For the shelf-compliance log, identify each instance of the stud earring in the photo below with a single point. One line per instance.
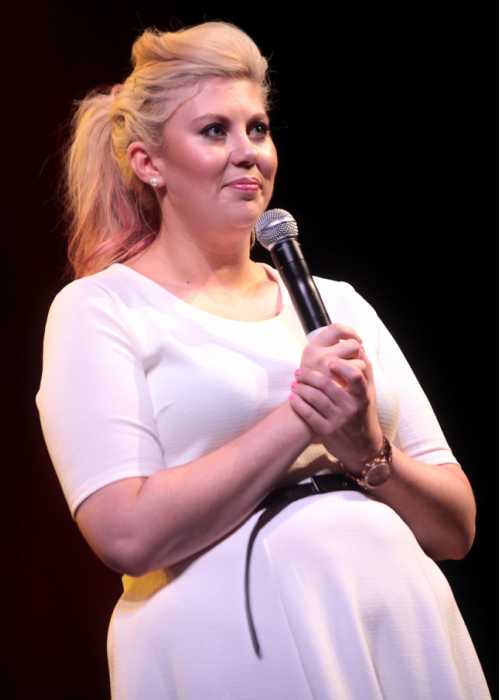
(154, 181)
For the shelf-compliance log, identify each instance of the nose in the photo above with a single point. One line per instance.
(244, 152)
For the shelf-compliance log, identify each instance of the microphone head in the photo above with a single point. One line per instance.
(274, 226)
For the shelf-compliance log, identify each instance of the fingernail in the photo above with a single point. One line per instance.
(297, 372)
(294, 385)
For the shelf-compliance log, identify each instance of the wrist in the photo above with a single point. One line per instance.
(375, 470)
(299, 429)
(357, 456)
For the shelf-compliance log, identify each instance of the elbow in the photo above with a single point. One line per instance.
(125, 557)
(121, 553)
(464, 542)
(457, 531)
(120, 549)
(137, 556)
(108, 521)
(129, 554)
(456, 546)
(463, 525)
(465, 534)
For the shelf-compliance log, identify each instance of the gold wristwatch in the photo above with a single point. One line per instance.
(376, 471)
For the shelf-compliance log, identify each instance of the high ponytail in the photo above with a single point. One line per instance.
(113, 214)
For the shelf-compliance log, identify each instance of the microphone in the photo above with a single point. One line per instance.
(277, 232)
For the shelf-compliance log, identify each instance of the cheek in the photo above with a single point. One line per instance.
(196, 163)
(270, 162)
(206, 161)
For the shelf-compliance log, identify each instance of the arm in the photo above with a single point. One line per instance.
(100, 427)
(335, 395)
(138, 525)
(436, 501)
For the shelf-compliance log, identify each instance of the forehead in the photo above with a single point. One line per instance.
(219, 95)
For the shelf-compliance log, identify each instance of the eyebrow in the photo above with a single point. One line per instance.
(221, 118)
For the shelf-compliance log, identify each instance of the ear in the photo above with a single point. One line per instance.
(143, 164)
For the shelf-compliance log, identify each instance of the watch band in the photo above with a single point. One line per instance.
(376, 470)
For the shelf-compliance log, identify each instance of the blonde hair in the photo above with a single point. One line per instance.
(113, 214)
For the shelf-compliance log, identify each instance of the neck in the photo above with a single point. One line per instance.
(202, 261)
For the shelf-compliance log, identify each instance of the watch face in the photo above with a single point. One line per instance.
(378, 474)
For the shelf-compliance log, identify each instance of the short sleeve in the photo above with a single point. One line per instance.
(95, 409)
(419, 433)
(415, 428)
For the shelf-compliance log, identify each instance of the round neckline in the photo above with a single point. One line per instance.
(201, 313)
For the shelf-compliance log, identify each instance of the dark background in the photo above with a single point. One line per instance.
(386, 127)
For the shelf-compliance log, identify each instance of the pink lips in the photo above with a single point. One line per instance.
(245, 183)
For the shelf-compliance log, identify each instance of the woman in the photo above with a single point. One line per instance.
(166, 407)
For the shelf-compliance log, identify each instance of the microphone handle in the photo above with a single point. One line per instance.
(289, 261)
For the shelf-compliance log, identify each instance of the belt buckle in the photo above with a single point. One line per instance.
(344, 484)
(316, 487)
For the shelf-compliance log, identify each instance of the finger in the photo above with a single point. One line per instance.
(320, 358)
(309, 415)
(331, 335)
(328, 375)
(324, 381)
(349, 348)
(351, 374)
(316, 398)
(369, 370)
(339, 362)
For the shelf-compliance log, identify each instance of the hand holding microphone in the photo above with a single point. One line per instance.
(334, 392)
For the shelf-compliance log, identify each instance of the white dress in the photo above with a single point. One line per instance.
(331, 597)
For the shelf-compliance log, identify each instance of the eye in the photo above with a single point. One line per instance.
(217, 130)
(214, 131)
(261, 129)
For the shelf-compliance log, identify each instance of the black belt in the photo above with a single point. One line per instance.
(272, 504)
(321, 483)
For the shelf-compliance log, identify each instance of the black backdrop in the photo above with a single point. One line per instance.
(386, 127)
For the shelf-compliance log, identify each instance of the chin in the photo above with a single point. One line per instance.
(242, 223)
(243, 215)
(252, 212)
